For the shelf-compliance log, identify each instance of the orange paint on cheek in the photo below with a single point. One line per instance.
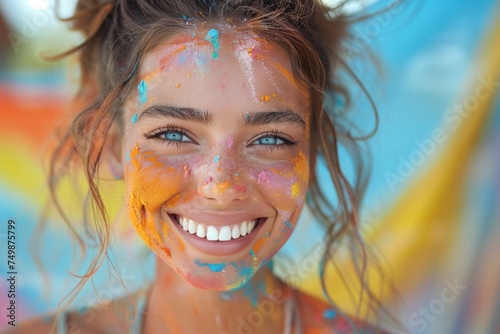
(151, 185)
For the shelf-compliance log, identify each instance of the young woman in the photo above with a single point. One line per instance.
(214, 114)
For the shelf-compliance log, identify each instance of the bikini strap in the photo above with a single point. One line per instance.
(61, 323)
(292, 316)
(141, 311)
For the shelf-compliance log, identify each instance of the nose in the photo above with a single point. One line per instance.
(223, 181)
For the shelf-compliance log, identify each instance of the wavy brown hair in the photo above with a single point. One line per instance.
(119, 33)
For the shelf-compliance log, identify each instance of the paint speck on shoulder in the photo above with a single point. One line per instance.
(217, 159)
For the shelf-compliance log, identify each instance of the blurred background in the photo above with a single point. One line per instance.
(432, 207)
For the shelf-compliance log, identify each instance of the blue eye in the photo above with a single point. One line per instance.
(170, 134)
(174, 136)
(270, 140)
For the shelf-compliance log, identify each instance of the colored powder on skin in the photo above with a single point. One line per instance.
(329, 314)
(215, 267)
(165, 62)
(295, 189)
(266, 98)
(148, 193)
(251, 294)
(253, 254)
(289, 225)
(229, 142)
(213, 37)
(300, 165)
(166, 251)
(142, 88)
(134, 118)
(258, 244)
(216, 159)
(244, 276)
(263, 177)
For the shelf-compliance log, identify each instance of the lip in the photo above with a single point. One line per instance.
(219, 248)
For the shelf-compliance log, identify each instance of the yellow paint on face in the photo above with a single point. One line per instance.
(151, 185)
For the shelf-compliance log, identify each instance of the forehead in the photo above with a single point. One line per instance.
(227, 65)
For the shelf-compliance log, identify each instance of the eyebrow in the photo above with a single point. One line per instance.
(204, 117)
(182, 113)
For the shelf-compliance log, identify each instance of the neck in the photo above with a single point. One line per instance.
(175, 303)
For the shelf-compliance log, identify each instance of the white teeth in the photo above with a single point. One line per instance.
(235, 233)
(184, 223)
(200, 231)
(192, 227)
(243, 229)
(212, 233)
(225, 234)
(251, 226)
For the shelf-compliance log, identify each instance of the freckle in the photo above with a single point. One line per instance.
(230, 142)
(187, 171)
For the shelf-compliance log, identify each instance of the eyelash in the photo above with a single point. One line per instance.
(157, 133)
(287, 141)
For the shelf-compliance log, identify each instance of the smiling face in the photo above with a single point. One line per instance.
(215, 144)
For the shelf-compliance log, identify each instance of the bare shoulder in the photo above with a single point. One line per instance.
(38, 325)
(119, 315)
(319, 317)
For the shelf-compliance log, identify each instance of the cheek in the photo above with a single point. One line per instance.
(285, 186)
(151, 184)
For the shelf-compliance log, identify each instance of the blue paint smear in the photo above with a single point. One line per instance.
(215, 267)
(288, 224)
(245, 272)
(252, 253)
(142, 88)
(217, 158)
(213, 37)
(329, 314)
(127, 157)
(134, 118)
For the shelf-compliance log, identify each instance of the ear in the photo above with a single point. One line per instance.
(112, 151)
